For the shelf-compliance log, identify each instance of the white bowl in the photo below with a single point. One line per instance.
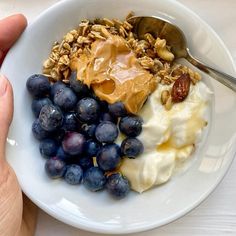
(96, 211)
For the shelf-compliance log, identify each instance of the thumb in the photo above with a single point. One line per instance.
(6, 112)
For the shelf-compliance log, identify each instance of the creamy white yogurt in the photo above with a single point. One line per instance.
(167, 136)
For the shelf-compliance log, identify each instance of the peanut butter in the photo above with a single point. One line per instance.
(114, 73)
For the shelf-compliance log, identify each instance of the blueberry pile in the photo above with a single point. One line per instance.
(77, 134)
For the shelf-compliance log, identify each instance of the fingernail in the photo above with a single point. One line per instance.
(3, 85)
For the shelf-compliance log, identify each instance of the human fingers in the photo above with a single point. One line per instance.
(6, 112)
(10, 30)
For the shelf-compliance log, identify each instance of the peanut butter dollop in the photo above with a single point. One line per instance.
(114, 73)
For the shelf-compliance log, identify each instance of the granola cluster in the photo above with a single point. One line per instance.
(153, 54)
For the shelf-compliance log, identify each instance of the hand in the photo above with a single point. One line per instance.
(17, 213)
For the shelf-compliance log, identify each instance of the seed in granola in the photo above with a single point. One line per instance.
(169, 103)
(181, 88)
(165, 94)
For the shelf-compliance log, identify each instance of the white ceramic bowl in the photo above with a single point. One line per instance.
(97, 212)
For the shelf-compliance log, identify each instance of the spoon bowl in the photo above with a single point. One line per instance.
(176, 39)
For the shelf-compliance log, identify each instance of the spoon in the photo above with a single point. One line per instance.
(176, 40)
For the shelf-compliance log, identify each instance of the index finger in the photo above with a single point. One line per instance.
(10, 30)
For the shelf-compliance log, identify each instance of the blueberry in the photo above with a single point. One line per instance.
(50, 117)
(70, 122)
(63, 156)
(117, 109)
(88, 130)
(56, 87)
(85, 162)
(131, 147)
(38, 85)
(58, 135)
(91, 148)
(55, 168)
(79, 87)
(131, 125)
(48, 148)
(37, 105)
(94, 179)
(103, 105)
(65, 98)
(108, 117)
(108, 158)
(73, 143)
(88, 110)
(106, 132)
(74, 174)
(118, 186)
(38, 132)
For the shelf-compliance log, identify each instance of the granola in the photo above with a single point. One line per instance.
(153, 54)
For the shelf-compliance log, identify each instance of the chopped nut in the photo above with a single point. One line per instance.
(181, 88)
(162, 50)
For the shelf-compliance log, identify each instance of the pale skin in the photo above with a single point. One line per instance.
(18, 214)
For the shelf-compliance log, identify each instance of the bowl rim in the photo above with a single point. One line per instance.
(148, 226)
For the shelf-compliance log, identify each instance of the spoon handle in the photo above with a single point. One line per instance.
(222, 77)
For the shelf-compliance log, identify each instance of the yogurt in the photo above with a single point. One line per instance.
(168, 136)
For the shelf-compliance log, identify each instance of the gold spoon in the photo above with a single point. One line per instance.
(176, 39)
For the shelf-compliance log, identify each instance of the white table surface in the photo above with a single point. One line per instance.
(216, 215)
